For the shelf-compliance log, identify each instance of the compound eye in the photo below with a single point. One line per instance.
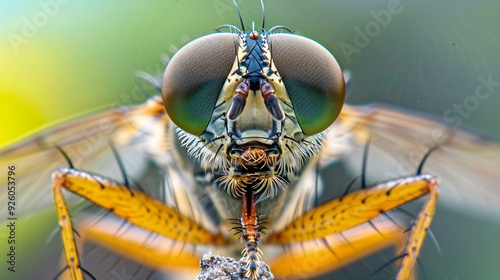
(312, 78)
(194, 77)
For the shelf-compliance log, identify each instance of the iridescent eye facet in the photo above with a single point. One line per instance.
(196, 74)
(194, 77)
(312, 78)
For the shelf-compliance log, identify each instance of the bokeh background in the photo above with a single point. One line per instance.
(62, 59)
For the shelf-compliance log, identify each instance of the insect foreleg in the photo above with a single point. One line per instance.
(417, 236)
(70, 250)
(132, 205)
(362, 206)
(140, 246)
(312, 258)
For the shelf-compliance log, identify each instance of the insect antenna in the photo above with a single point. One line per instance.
(230, 27)
(279, 27)
(263, 15)
(239, 15)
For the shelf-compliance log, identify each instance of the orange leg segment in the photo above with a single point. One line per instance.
(131, 205)
(161, 254)
(362, 206)
(313, 258)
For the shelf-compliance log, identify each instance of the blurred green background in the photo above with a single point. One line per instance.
(61, 59)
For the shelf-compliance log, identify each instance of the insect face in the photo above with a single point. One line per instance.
(253, 104)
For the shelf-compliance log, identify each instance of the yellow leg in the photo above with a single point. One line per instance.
(160, 254)
(131, 205)
(313, 258)
(417, 235)
(68, 238)
(362, 206)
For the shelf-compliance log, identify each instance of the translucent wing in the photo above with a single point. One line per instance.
(144, 140)
(87, 143)
(466, 163)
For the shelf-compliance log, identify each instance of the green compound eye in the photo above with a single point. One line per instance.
(194, 78)
(312, 78)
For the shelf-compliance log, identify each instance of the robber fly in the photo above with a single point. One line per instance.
(247, 121)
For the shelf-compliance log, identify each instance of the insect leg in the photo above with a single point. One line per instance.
(158, 252)
(362, 206)
(133, 206)
(312, 258)
(68, 238)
